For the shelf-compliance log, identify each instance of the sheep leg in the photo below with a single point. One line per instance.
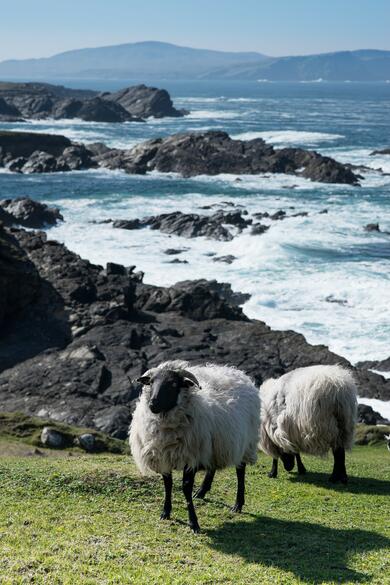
(240, 498)
(166, 512)
(206, 484)
(339, 472)
(274, 469)
(301, 467)
(188, 485)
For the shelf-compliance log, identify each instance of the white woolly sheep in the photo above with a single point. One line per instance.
(309, 410)
(191, 418)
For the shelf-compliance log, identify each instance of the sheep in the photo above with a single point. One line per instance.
(191, 418)
(387, 439)
(309, 410)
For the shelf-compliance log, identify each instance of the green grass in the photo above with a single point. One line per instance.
(94, 520)
(24, 430)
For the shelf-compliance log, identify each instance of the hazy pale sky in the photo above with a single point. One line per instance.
(40, 28)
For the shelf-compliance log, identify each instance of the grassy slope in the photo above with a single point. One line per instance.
(92, 519)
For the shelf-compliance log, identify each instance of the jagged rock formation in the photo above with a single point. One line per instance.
(42, 100)
(74, 336)
(190, 154)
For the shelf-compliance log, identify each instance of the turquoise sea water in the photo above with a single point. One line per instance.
(301, 263)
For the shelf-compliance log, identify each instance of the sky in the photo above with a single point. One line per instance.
(41, 28)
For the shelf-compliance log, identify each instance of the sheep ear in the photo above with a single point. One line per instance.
(190, 383)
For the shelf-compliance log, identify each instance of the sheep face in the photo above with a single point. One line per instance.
(288, 460)
(165, 388)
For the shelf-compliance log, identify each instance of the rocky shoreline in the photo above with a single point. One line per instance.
(74, 336)
(37, 101)
(189, 154)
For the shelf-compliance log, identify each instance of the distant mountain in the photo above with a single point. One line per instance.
(146, 60)
(364, 65)
(154, 60)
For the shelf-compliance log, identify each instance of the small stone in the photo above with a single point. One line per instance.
(53, 438)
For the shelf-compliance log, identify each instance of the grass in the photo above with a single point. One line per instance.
(94, 520)
(18, 430)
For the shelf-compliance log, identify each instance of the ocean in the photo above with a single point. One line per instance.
(321, 275)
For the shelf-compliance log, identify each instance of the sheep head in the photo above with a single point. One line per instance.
(165, 387)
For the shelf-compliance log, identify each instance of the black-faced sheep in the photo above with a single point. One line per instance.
(195, 417)
(309, 410)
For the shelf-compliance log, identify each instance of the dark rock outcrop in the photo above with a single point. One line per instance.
(189, 155)
(144, 102)
(43, 100)
(92, 110)
(30, 152)
(214, 152)
(8, 112)
(383, 151)
(372, 227)
(28, 213)
(75, 336)
(381, 365)
(368, 416)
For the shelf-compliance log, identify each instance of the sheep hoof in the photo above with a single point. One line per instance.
(237, 508)
(195, 528)
(165, 515)
(272, 474)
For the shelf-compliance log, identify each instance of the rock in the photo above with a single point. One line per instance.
(88, 442)
(332, 299)
(372, 227)
(190, 154)
(93, 110)
(123, 328)
(144, 102)
(188, 225)
(174, 251)
(8, 112)
(281, 214)
(229, 259)
(19, 280)
(29, 213)
(258, 229)
(128, 224)
(54, 439)
(323, 211)
(368, 416)
(383, 151)
(43, 100)
(178, 261)
(214, 152)
(381, 365)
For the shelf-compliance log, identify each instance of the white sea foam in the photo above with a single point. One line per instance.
(211, 114)
(288, 137)
(381, 406)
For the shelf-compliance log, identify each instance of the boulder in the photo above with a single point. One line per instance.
(55, 439)
(93, 109)
(258, 229)
(29, 213)
(145, 102)
(372, 227)
(368, 416)
(228, 259)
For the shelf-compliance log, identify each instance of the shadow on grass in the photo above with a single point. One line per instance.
(313, 553)
(356, 485)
